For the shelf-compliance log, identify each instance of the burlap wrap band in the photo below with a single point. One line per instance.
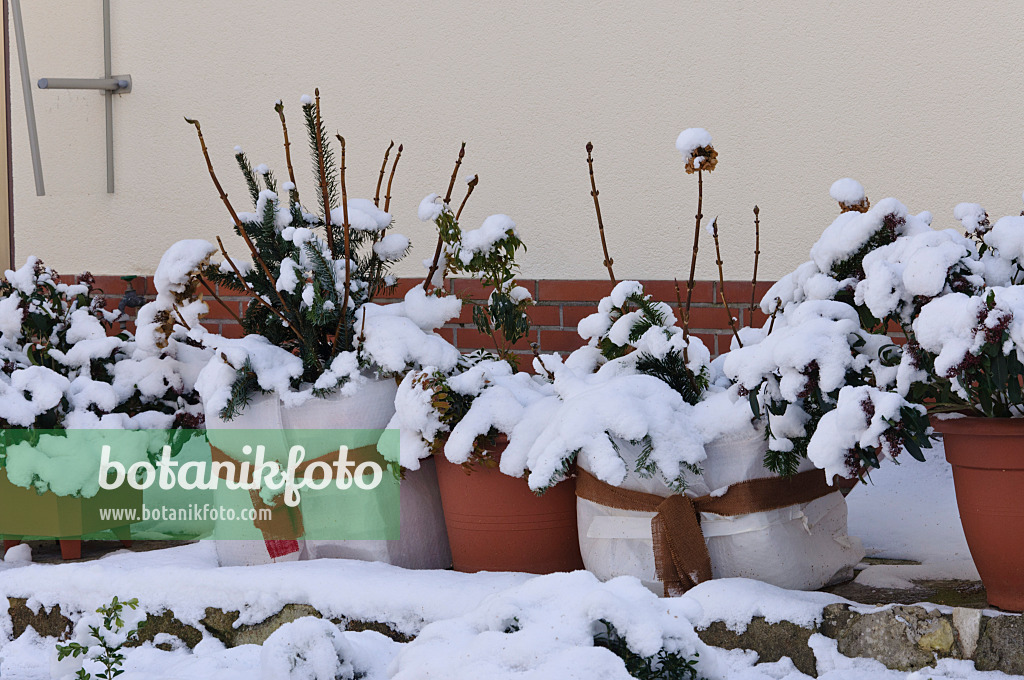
(681, 556)
(285, 523)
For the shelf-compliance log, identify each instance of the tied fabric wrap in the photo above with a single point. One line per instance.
(284, 527)
(681, 556)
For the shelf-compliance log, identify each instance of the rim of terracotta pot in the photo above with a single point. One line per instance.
(980, 426)
(978, 442)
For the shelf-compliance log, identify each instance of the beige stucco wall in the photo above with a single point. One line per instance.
(918, 102)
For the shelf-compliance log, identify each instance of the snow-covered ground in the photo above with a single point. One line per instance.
(476, 626)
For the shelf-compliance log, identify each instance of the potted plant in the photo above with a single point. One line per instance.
(317, 351)
(661, 436)
(462, 417)
(64, 373)
(954, 298)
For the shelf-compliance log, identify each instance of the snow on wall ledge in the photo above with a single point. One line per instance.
(560, 305)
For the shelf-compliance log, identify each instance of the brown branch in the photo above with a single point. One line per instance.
(757, 254)
(693, 260)
(608, 261)
(536, 353)
(238, 223)
(177, 313)
(391, 178)
(217, 298)
(440, 239)
(256, 296)
(279, 107)
(469, 191)
(679, 305)
(383, 167)
(323, 178)
(345, 230)
(455, 171)
(771, 324)
(721, 283)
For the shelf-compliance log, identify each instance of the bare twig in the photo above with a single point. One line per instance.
(721, 283)
(608, 262)
(323, 178)
(679, 306)
(391, 178)
(279, 107)
(217, 298)
(778, 306)
(440, 239)
(469, 191)
(348, 254)
(455, 171)
(177, 313)
(757, 254)
(383, 167)
(693, 259)
(536, 353)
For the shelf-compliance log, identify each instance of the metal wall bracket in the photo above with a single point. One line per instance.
(108, 86)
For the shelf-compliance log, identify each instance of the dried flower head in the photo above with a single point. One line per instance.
(849, 193)
(703, 158)
(695, 146)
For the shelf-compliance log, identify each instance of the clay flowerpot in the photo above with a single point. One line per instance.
(25, 513)
(495, 523)
(987, 455)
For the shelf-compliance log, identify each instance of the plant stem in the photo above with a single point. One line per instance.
(217, 298)
(345, 228)
(775, 312)
(440, 237)
(721, 283)
(469, 191)
(391, 177)
(757, 254)
(693, 259)
(323, 178)
(608, 262)
(679, 305)
(383, 167)
(279, 107)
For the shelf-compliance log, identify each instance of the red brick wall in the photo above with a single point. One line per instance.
(560, 304)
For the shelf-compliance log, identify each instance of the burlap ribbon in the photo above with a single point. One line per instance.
(681, 556)
(284, 527)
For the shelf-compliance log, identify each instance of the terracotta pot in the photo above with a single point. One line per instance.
(25, 513)
(987, 455)
(495, 523)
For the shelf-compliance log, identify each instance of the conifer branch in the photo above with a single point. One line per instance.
(757, 254)
(721, 283)
(323, 177)
(279, 107)
(216, 297)
(391, 178)
(608, 262)
(256, 296)
(383, 167)
(693, 259)
(345, 228)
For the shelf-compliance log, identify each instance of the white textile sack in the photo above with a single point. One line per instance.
(424, 539)
(800, 547)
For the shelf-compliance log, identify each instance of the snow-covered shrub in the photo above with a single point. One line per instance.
(62, 369)
(99, 640)
(311, 275)
(307, 649)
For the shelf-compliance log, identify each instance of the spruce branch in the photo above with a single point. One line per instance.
(757, 254)
(608, 262)
(324, 189)
(202, 280)
(693, 259)
(256, 296)
(383, 167)
(279, 107)
(391, 178)
(721, 283)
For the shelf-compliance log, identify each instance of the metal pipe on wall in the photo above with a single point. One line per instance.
(26, 87)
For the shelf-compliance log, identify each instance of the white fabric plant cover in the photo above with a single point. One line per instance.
(424, 540)
(800, 547)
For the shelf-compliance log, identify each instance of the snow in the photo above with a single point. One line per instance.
(363, 215)
(691, 139)
(392, 247)
(481, 241)
(973, 217)
(179, 261)
(430, 208)
(848, 191)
